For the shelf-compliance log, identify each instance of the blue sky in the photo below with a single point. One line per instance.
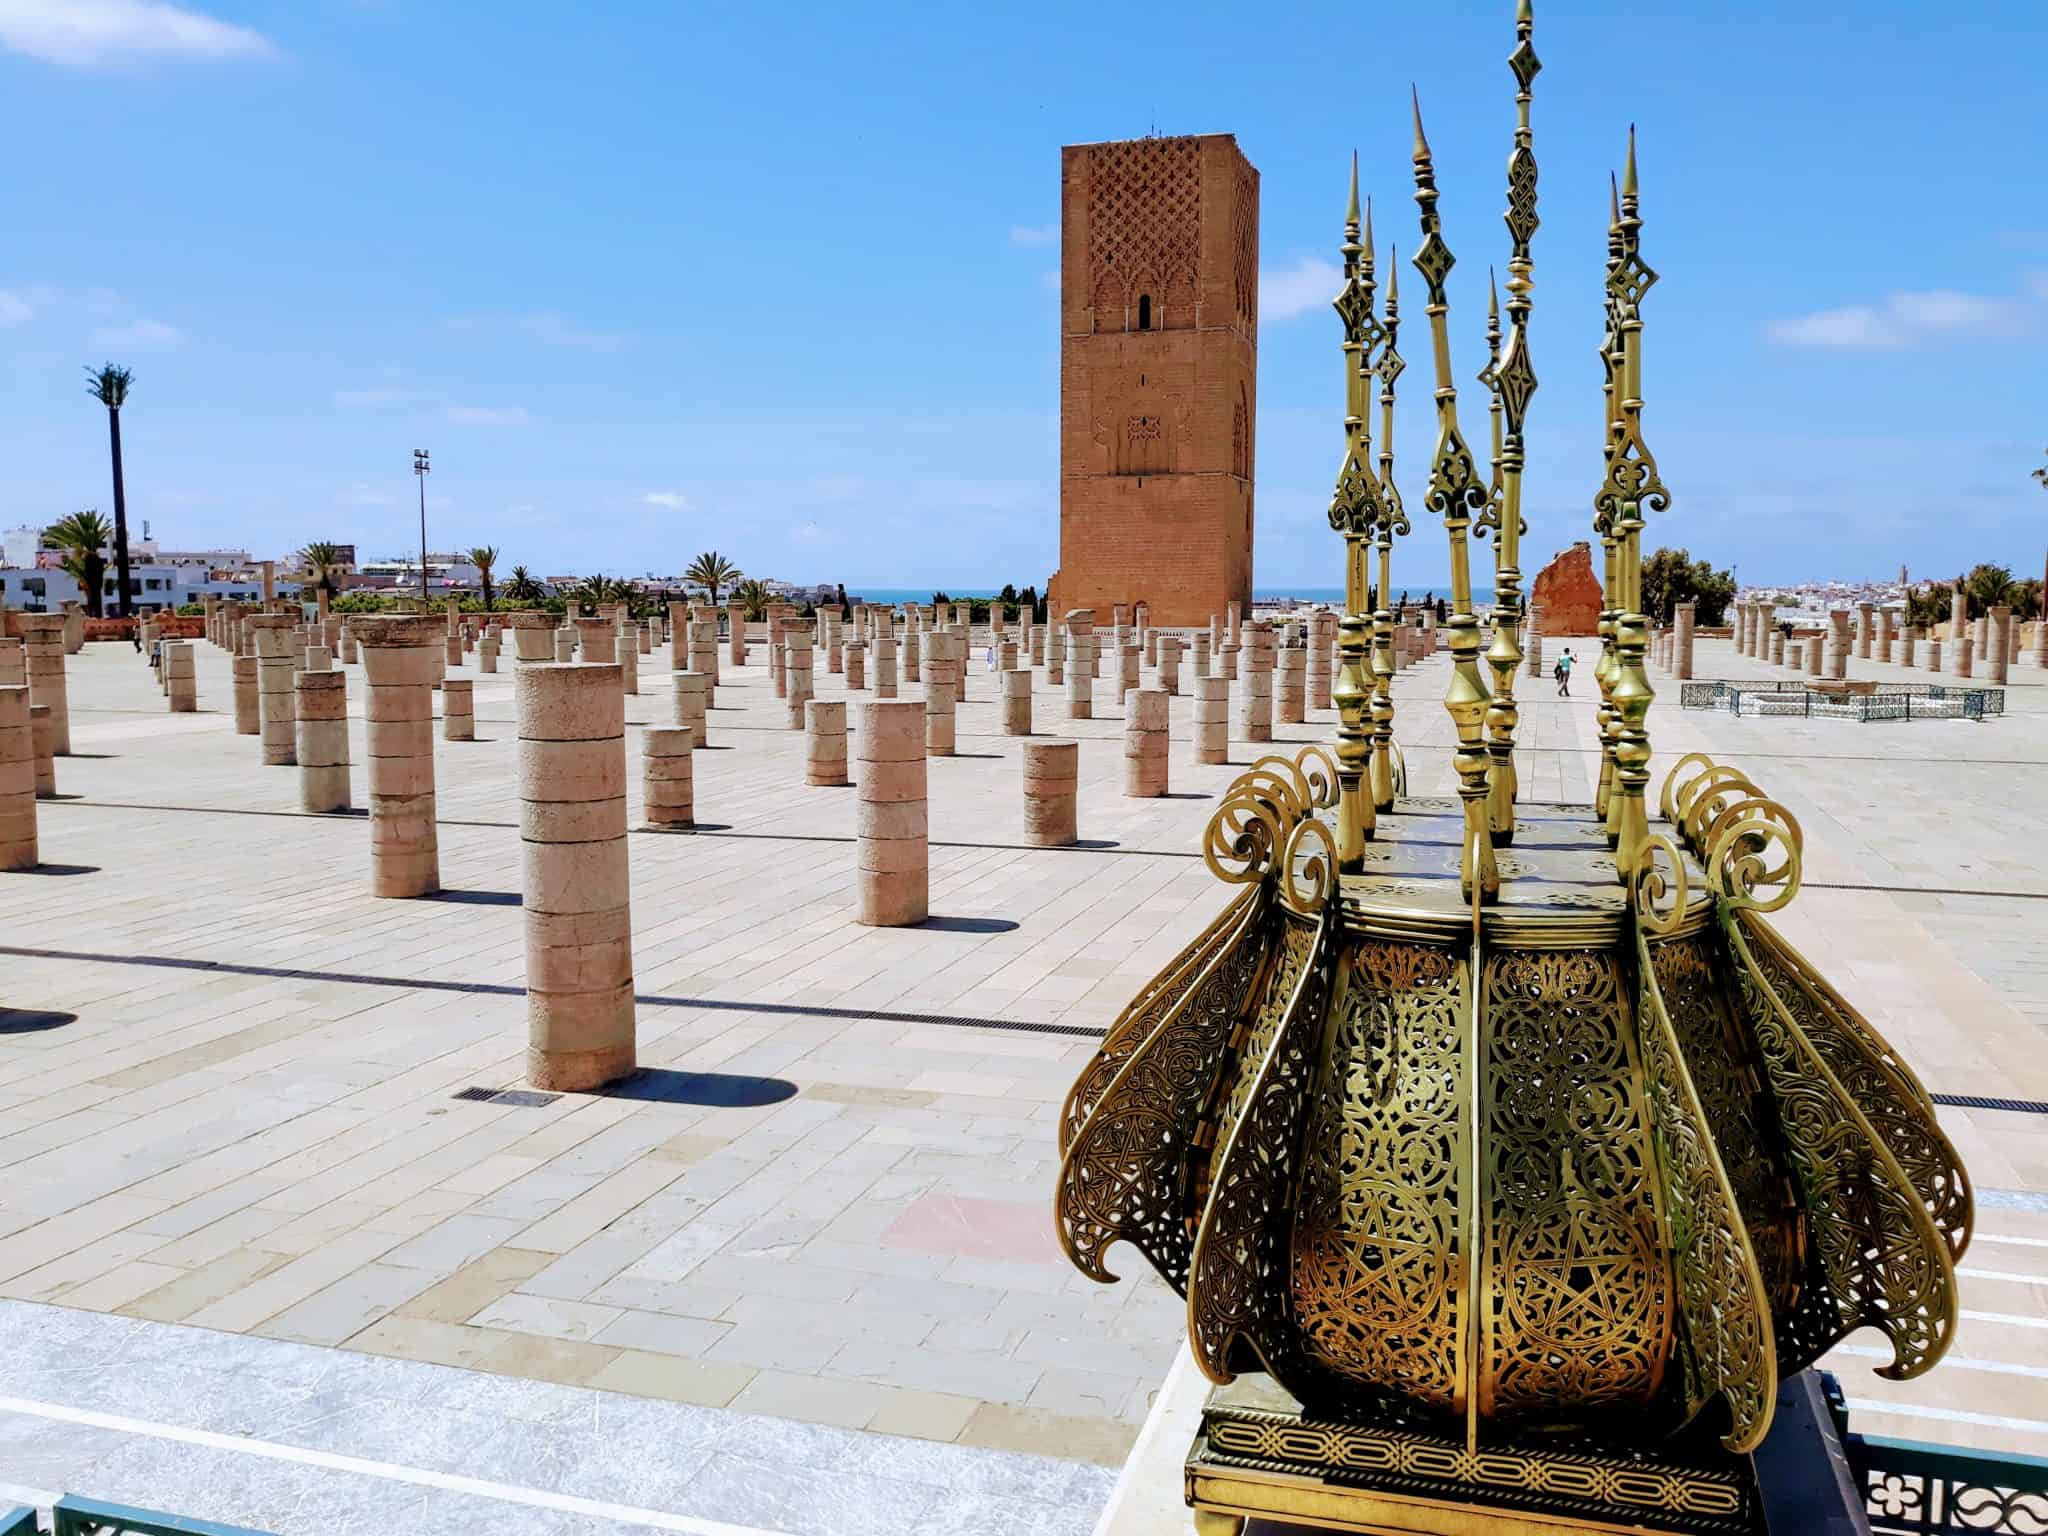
(650, 278)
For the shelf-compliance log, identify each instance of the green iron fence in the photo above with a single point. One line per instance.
(74, 1516)
(1889, 701)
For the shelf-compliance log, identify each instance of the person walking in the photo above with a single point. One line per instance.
(1564, 675)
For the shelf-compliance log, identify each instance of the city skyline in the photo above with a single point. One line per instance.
(692, 308)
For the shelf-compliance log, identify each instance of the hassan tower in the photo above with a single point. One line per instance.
(1159, 322)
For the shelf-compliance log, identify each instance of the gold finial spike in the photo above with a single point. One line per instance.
(1351, 209)
(1492, 297)
(1524, 15)
(1368, 212)
(1421, 143)
(1613, 202)
(1393, 278)
(1628, 174)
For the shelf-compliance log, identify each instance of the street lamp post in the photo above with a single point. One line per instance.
(420, 469)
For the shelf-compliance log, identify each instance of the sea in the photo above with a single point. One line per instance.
(1332, 596)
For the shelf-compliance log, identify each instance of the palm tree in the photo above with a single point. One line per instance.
(522, 588)
(713, 572)
(109, 385)
(320, 561)
(753, 598)
(483, 557)
(84, 537)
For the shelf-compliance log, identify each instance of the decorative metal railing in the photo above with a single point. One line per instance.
(74, 1516)
(1891, 701)
(1936, 1490)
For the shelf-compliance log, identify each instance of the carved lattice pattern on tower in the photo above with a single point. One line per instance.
(1144, 231)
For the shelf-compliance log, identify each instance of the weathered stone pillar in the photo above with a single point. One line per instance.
(1290, 690)
(321, 707)
(18, 849)
(1227, 658)
(687, 704)
(1322, 630)
(796, 670)
(668, 781)
(564, 641)
(1776, 655)
(1911, 639)
(1081, 664)
(269, 572)
(1035, 636)
(835, 655)
(1017, 702)
(825, 742)
(399, 652)
(1980, 636)
(1006, 655)
(704, 654)
(2041, 636)
(1838, 643)
(1681, 640)
(74, 629)
(1934, 648)
(1052, 774)
(1201, 663)
(487, 654)
(1148, 642)
(576, 884)
(458, 709)
(596, 642)
(1056, 653)
(13, 663)
(1532, 642)
(941, 670)
(736, 634)
(248, 700)
(1145, 744)
(1814, 653)
(181, 682)
(678, 637)
(1255, 696)
(42, 637)
(2001, 644)
(44, 734)
(644, 633)
(912, 662)
(856, 658)
(276, 682)
(1866, 629)
(893, 857)
(1958, 614)
(629, 667)
(1169, 663)
(1233, 626)
(1962, 650)
(1884, 634)
(452, 648)
(1127, 670)
(1212, 719)
(885, 666)
(316, 658)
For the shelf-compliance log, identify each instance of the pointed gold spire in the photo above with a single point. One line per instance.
(1628, 174)
(1492, 297)
(1421, 143)
(1351, 211)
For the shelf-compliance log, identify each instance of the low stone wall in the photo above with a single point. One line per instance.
(169, 626)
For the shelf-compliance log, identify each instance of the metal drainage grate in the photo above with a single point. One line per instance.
(1977, 1101)
(519, 1098)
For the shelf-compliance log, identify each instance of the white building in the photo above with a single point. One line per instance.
(33, 578)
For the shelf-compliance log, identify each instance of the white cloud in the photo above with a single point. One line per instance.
(809, 533)
(145, 333)
(548, 326)
(674, 501)
(1906, 319)
(376, 394)
(1034, 234)
(87, 34)
(14, 309)
(363, 494)
(1286, 292)
(489, 415)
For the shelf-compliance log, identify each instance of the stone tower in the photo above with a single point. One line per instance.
(1159, 323)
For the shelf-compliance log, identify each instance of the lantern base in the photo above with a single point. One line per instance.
(1258, 1456)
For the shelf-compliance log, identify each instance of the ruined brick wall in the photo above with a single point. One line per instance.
(1159, 299)
(1569, 593)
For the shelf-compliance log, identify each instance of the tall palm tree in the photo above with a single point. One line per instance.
(753, 597)
(109, 385)
(522, 588)
(320, 561)
(713, 572)
(484, 557)
(84, 537)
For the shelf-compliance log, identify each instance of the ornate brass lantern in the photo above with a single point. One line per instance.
(1505, 1181)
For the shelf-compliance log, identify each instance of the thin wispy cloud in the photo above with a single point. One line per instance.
(1285, 292)
(1034, 234)
(375, 395)
(545, 326)
(363, 494)
(1908, 319)
(95, 34)
(137, 333)
(673, 501)
(489, 415)
(14, 309)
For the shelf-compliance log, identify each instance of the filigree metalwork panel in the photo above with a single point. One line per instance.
(1576, 1287)
(1237, 1285)
(1379, 1251)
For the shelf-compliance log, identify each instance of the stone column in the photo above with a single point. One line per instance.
(321, 706)
(1080, 664)
(912, 662)
(1884, 634)
(1255, 696)
(1912, 636)
(1052, 773)
(1961, 651)
(45, 737)
(1201, 653)
(885, 666)
(277, 706)
(452, 648)
(576, 884)
(797, 657)
(1006, 655)
(1148, 642)
(458, 709)
(825, 742)
(1681, 640)
(248, 700)
(855, 655)
(778, 653)
(1145, 745)
(42, 637)
(2001, 644)
(399, 652)
(564, 641)
(1290, 692)
(668, 782)
(1169, 663)
(1958, 614)
(1227, 658)
(1814, 666)
(597, 643)
(1866, 629)
(629, 667)
(704, 655)
(1127, 670)
(1980, 637)
(1532, 642)
(1035, 635)
(1017, 702)
(181, 682)
(1322, 630)
(18, 848)
(487, 654)
(645, 636)
(1233, 626)
(1212, 719)
(1838, 643)
(678, 637)
(835, 655)
(1776, 655)
(688, 704)
(13, 663)
(1934, 649)
(941, 668)
(2041, 637)
(74, 629)
(1056, 653)
(736, 634)
(893, 858)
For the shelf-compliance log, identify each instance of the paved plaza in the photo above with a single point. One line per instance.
(272, 1253)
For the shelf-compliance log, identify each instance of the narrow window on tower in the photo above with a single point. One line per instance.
(1144, 311)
